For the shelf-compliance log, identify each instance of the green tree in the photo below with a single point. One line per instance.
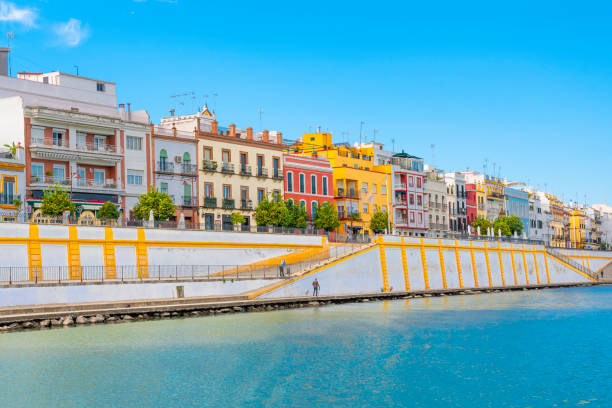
(237, 218)
(515, 224)
(326, 218)
(56, 201)
(483, 223)
(379, 220)
(108, 211)
(501, 224)
(296, 216)
(271, 212)
(12, 150)
(160, 203)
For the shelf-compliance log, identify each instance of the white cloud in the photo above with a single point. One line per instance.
(72, 32)
(9, 12)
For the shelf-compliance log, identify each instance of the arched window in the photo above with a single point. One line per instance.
(313, 208)
(303, 204)
(163, 159)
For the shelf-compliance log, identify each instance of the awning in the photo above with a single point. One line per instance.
(186, 157)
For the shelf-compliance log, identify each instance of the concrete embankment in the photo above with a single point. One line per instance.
(66, 315)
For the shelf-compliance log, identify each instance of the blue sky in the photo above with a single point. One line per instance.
(526, 85)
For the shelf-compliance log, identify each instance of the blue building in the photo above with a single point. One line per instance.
(517, 203)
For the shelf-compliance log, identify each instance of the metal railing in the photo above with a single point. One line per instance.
(566, 259)
(246, 204)
(87, 147)
(262, 172)
(245, 170)
(164, 167)
(210, 202)
(187, 168)
(228, 204)
(9, 199)
(208, 165)
(227, 167)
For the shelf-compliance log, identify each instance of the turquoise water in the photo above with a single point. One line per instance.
(526, 349)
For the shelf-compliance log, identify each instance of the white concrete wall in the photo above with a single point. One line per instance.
(111, 292)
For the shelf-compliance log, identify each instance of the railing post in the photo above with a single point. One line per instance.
(192, 266)
(237, 272)
(10, 275)
(208, 272)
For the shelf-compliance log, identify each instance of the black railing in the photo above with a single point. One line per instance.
(262, 172)
(190, 169)
(245, 170)
(246, 204)
(227, 168)
(228, 204)
(164, 167)
(208, 165)
(210, 202)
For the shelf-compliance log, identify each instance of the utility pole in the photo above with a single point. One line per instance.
(77, 70)
(374, 131)
(360, 130)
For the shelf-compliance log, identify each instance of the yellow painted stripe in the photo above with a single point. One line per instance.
(320, 268)
(486, 253)
(34, 255)
(110, 266)
(383, 266)
(424, 265)
(458, 260)
(142, 258)
(513, 264)
(525, 264)
(572, 268)
(473, 264)
(535, 264)
(405, 267)
(501, 263)
(442, 266)
(546, 265)
(74, 253)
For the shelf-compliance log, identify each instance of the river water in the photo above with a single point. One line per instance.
(524, 349)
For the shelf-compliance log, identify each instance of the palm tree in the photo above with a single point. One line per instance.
(12, 150)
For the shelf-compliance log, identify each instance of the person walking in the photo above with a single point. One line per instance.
(315, 287)
(282, 268)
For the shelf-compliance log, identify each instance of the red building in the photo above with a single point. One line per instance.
(308, 181)
(470, 203)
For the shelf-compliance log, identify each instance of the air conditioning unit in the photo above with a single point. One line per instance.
(178, 159)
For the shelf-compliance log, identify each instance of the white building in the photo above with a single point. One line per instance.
(75, 136)
(435, 189)
(457, 183)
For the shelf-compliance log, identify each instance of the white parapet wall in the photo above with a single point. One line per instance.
(396, 265)
(43, 252)
(593, 260)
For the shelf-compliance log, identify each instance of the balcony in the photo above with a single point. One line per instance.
(188, 169)
(208, 165)
(246, 204)
(164, 167)
(8, 199)
(400, 187)
(245, 170)
(400, 203)
(262, 172)
(351, 214)
(187, 201)
(277, 174)
(228, 204)
(210, 202)
(62, 144)
(77, 182)
(350, 193)
(401, 222)
(227, 168)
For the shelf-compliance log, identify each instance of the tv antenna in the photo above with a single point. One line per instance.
(261, 112)
(215, 101)
(360, 130)
(433, 154)
(374, 132)
(393, 144)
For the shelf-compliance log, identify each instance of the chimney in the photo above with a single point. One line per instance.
(266, 136)
(121, 109)
(129, 112)
(4, 59)
(279, 138)
(232, 130)
(214, 127)
(249, 133)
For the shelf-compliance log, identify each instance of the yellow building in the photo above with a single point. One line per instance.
(558, 223)
(577, 231)
(359, 186)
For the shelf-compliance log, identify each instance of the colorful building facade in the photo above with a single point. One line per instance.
(308, 182)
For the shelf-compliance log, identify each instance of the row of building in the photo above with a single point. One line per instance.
(70, 130)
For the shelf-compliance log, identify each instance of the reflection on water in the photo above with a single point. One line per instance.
(538, 348)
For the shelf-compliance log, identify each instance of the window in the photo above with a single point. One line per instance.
(313, 184)
(227, 191)
(99, 142)
(374, 188)
(313, 208)
(186, 158)
(364, 187)
(99, 177)
(302, 183)
(411, 199)
(383, 189)
(208, 153)
(100, 87)
(420, 218)
(244, 193)
(411, 181)
(365, 208)
(38, 135)
(134, 177)
(243, 161)
(260, 195)
(81, 140)
(37, 173)
(419, 200)
(59, 173)
(260, 163)
(133, 142)
(163, 159)
(187, 193)
(208, 190)
(225, 156)
(418, 182)
(163, 188)
(303, 204)
(289, 181)
(324, 186)
(8, 189)
(412, 217)
(275, 166)
(58, 137)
